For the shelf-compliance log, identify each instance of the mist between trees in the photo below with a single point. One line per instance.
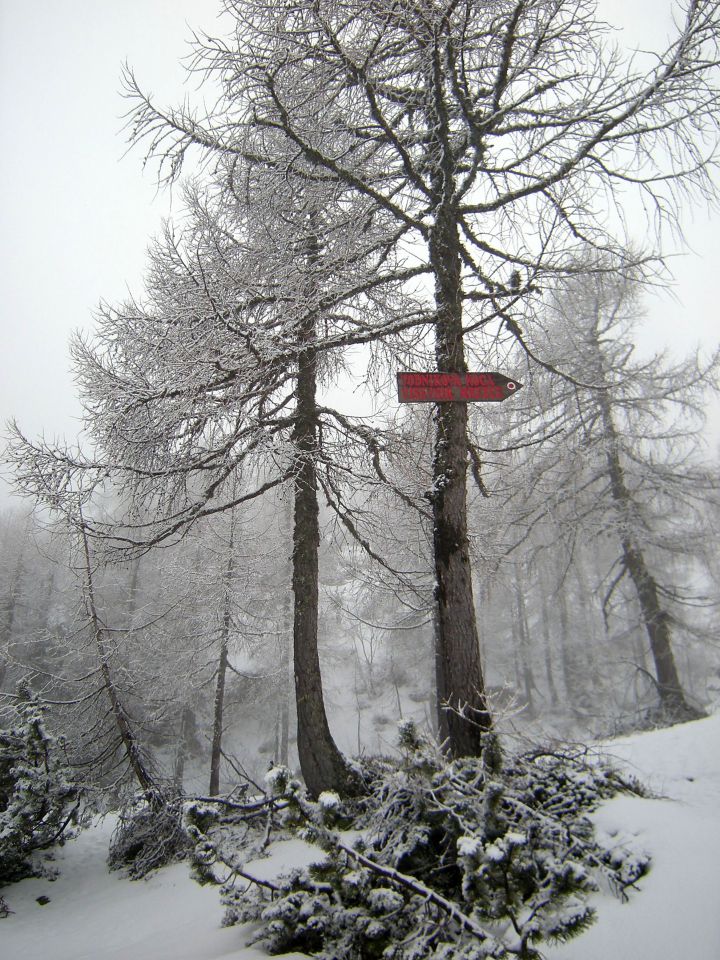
(197, 635)
(445, 185)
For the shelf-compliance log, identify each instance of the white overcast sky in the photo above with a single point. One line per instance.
(76, 213)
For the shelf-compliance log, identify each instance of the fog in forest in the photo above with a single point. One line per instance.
(250, 589)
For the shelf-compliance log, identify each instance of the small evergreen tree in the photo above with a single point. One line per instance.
(37, 802)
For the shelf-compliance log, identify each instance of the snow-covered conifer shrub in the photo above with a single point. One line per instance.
(149, 834)
(224, 832)
(37, 801)
(454, 861)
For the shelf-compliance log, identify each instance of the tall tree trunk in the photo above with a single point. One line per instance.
(547, 644)
(48, 599)
(323, 766)
(285, 644)
(128, 739)
(133, 590)
(461, 688)
(9, 609)
(439, 724)
(589, 615)
(567, 656)
(219, 702)
(656, 620)
(187, 724)
(523, 634)
(284, 706)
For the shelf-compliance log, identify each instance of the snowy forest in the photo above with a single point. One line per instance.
(260, 601)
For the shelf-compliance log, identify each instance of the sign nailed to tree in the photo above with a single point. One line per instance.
(465, 387)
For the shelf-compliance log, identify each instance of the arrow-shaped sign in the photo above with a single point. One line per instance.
(463, 387)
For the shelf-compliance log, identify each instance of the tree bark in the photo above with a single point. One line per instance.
(133, 590)
(547, 644)
(187, 723)
(284, 708)
(323, 766)
(219, 702)
(528, 678)
(285, 643)
(465, 717)
(567, 655)
(9, 613)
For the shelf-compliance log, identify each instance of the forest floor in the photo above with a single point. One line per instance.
(96, 915)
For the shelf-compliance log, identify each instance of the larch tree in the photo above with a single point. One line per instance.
(501, 139)
(204, 397)
(626, 467)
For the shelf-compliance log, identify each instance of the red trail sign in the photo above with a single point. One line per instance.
(463, 387)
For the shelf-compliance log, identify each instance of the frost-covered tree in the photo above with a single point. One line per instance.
(205, 397)
(499, 139)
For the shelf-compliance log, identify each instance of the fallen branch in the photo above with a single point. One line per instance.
(409, 883)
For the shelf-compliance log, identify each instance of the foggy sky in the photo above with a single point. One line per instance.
(77, 215)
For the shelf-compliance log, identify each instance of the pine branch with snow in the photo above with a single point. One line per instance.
(447, 859)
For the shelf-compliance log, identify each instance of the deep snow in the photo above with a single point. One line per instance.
(95, 915)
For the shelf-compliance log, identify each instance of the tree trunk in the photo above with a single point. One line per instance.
(285, 643)
(133, 590)
(9, 613)
(48, 600)
(284, 717)
(122, 722)
(589, 614)
(187, 723)
(567, 657)
(528, 679)
(673, 704)
(547, 645)
(465, 717)
(216, 751)
(657, 625)
(219, 702)
(323, 766)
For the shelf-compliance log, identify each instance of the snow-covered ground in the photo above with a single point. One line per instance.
(676, 914)
(95, 915)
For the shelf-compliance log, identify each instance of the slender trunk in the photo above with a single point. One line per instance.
(122, 722)
(219, 702)
(284, 718)
(547, 645)
(393, 677)
(216, 751)
(49, 594)
(589, 614)
(655, 618)
(323, 766)
(567, 659)
(9, 615)
(133, 590)
(285, 645)
(524, 649)
(465, 717)
(657, 625)
(187, 723)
